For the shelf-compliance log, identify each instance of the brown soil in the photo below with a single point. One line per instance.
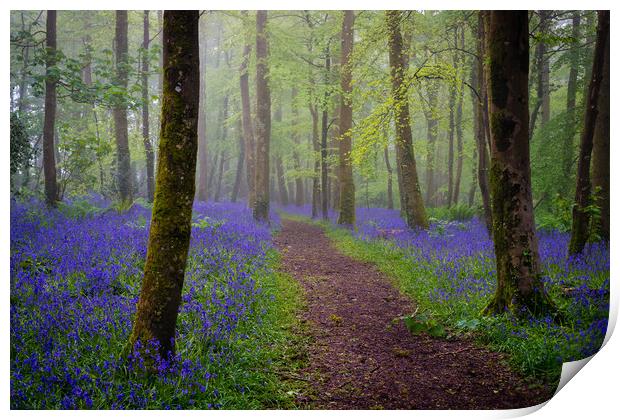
(360, 359)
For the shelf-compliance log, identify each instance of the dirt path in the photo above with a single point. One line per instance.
(359, 359)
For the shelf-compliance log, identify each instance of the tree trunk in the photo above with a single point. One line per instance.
(390, 193)
(324, 129)
(263, 119)
(451, 104)
(519, 284)
(49, 119)
(345, 170)
(170, 230)
(148, 147)
(542, 66)
(246, 113)
(316, 188)
(431, 139)
(299, 184)
(580, 231)
(482, 134)
(458, 122)
(240, 162)
(414, 211)
(571, 95)
(600, 154)
(223, 159)
(281, 180)
(203, 162)
(120, 109)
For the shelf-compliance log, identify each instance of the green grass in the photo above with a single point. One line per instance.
(266, 362)
(536, 356)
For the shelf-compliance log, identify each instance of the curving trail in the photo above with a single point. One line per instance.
(360, 359)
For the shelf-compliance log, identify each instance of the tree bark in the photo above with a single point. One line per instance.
(223, 159)
(263, 119)
(148, 147)
(345, 175)
(49, 119)
(519, 284)
(431, 140)
(120, 109)
(169, 235)
(414, 211)
(580, 231)
(482, 134)
(600, 154)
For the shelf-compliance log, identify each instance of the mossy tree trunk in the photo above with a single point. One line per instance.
(600, 154)
(458, 117)
(580, 231)
(415, 211)
(120, 109)
(347, 187)
(263, 119)
(519, 285)
(49, 119)
(146, 138)
(170, 230)
(246, 115)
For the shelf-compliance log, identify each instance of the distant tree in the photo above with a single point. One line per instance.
(240, 163)
(203, 162)
(432, 125)
(170, 230)
(519, 283)
(120, 108)
(580, 231)
(148, 147)
(414, 210)
(571, 99)
(390, 193)
(279, 165)
(299, 184)
(458, 115)
(49, 120)
(324, 131)
(346, 187)
(246, 116)
(263, 119)
(20, 145)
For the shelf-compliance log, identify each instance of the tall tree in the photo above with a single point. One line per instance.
(170, 230)
(279, 166)
(316, 147)
(571, 99)
(581, 217)
(246, 115)
(240, 163)
(148, 147)
(432, 125)
(299, 184)
(482, 122)
(415, 211)
(120, 109)
(519, 283)
(263, 119)
(347, 187)
(600, 153)
(49, 119)
(458, 117)
(324, 130)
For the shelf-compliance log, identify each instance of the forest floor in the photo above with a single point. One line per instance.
(362, 356)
